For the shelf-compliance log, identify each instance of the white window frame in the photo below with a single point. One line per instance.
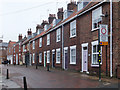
(23, 48)
(48, 56)
(96, 18)
(71, 48)
(58, 61)
(58, 35)
(73, 28)
(33, 57)
(40, 57)
(48, 39)
(93, 44)
(40, 42)
(33, 44)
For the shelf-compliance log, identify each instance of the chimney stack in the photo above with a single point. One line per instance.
(20, 37)
(29, 32)
(44, 23)
(60, 13)
(71, 5)
(51, 18)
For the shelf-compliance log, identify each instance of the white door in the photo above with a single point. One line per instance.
(85, 60)
(85, 57)
(44, 58)
(11, 60)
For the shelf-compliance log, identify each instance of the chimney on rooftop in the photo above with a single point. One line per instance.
(20, 37)
(29, 32)
(51, 18)
(71, 5)
(60, 13)
(44, 23)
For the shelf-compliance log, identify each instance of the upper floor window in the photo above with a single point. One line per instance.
(73, 28)
(58, 33)
(33, 44)
(14, 49)
(48, 39)
(23, 48)
(73, 54)
(40, 42)
(96, 19)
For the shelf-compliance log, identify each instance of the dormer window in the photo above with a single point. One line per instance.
(54, 22)
(67, 13)
(81, 5)
(45, 27)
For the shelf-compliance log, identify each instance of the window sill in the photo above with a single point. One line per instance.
(73, 63)
(72, 36)
(94, 29)
(94, 65)
(57, 62)
(58, 41)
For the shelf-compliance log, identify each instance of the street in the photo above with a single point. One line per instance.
(41, 78)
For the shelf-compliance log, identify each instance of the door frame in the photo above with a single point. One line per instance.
(44, 59)
(65, 48)
(53, 52)
(84, 45)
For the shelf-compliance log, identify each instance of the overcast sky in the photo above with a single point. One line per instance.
(16, 16)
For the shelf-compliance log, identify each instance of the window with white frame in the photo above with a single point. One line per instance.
(48, 56)
(73, 28)
(33, 44)
(58, 55)
(40, 42)
(73, 54)
(14, 49)
(33, 57)
(9, 50)
(48, 39)
(95, 53)
(96, 18)
(40, 58)
(58, 33)
(23, 48)
(19, 47)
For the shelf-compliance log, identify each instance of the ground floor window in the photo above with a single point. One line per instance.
(58, 55)
(48, 56)
(95, 53)
(40, 58)
(73, 54)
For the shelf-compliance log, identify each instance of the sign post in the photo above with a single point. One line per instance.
(102, 40)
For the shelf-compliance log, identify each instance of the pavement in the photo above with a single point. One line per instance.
(7, 83)
(41, 78)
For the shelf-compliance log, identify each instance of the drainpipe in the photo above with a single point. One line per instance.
(63, 46)
(111, 38)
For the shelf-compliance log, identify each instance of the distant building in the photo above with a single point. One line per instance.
(3, 51)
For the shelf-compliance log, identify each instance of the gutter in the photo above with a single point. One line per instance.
(111, 38)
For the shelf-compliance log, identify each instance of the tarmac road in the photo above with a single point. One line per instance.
(41, 78)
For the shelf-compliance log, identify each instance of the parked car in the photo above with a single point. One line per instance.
(5, 62)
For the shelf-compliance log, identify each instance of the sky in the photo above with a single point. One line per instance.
(17, 16)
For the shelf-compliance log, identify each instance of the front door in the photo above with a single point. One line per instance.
(66, 59)
(85, 58)
(44, 59)
(53, 60)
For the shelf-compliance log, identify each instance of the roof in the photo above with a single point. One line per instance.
(75, 13)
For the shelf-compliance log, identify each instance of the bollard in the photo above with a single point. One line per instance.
(36, 67)
(25, 83)
(7, 77)
(48, 67)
